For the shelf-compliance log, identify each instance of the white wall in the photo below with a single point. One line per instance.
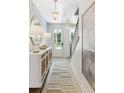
(35, 12)
(77, 56)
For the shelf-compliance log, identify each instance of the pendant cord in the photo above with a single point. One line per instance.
(55, 5)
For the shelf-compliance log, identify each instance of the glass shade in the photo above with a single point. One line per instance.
(36, 30)
(55, 13)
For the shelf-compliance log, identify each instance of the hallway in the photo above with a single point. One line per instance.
(58, 62)
(61, 78)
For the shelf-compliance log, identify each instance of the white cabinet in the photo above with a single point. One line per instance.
(39, 65)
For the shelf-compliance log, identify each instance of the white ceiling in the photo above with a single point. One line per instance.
(66, 8)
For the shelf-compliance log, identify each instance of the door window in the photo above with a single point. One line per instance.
(57, 39)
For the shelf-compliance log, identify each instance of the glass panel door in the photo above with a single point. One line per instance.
(58, 44)
(57, 39)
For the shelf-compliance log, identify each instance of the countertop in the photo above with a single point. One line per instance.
(40, 52)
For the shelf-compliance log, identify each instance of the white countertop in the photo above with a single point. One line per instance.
(40, 52)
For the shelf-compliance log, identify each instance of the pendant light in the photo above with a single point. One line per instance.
(55, 13)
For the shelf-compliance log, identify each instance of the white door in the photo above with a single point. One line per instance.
(57, 42)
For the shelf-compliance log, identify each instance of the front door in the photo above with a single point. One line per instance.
(57, 42)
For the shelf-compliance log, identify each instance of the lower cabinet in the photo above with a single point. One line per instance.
(39, 65)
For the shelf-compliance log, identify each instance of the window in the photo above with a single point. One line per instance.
(71, 33)
(57, 39)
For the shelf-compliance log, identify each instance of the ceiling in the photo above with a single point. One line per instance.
(66, 9)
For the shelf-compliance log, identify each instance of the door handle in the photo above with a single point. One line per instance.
(62, 44)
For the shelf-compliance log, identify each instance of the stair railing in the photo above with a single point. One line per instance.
(75, 39)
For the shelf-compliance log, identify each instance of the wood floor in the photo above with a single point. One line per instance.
(60, 79)
(34, 90)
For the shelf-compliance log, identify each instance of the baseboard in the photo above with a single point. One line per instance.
(85, 86)
(77, 77)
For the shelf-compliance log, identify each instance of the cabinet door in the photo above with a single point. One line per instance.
(46, 60)
(42, 67)
(50, 55)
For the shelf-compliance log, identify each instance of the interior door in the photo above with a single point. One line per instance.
(58, 44)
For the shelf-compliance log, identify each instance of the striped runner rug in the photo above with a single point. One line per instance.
(61, 79)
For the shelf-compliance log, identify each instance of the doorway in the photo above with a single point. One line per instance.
(57, 42)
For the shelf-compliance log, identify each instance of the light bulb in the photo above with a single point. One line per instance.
(55, 13)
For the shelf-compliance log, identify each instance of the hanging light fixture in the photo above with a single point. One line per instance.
(55, 13)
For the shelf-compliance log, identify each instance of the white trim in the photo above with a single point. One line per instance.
(92, 50)
(85, 87)
(77, 77)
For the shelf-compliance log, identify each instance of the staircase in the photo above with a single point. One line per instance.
(75, 39)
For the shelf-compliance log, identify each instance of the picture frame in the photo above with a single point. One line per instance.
(88, 45)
